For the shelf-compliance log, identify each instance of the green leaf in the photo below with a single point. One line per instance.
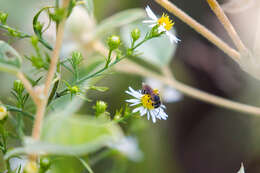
(98, 88)
(119, 19)
(10, 60)
(71, 135)
(86, 165)
(89, 5)
(157, 51)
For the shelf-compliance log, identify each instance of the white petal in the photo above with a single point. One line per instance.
(132, 100)
(143, 112)
(148, 21)
(137, 109)
(135, 104)
(136, 92)
(161, 29)
(163, 106)
(152, 25)
(150, 13)
(172, 37)
(156, 113)
(153, 117)
(148, 115)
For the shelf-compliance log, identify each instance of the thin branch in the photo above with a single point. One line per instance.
(227, 25)
(257, 36)
(54, 60)
(28, 87)
(199, 28)
(167, 79)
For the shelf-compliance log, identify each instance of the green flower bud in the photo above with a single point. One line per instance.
(3, 112)
(34, 40)
(18, 86)
(74, 89)
(3, 17)
(37, 62)
(100, 107)
(13, 32)
(38, 26)
(58, 15)
(113, 42)
(45, 163)
(31, 167)
(76, 58)
(135, 34)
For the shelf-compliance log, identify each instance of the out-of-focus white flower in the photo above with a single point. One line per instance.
(128, 146)
(16, 163)
(164, 22)
(146, 106)
(3, 112)
(241, 170)
(238, 6)
(167, 93)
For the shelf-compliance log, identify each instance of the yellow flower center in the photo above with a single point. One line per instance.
(166, 22)
(147, 101)
(2, 109)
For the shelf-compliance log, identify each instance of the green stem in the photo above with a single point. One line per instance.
(101, 156)
(24, 35)
(15, 109)
(109, 58)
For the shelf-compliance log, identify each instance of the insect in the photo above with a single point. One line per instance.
(154, 94)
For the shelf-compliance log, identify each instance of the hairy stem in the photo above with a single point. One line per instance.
(200, 29)
(52, 69)
(227, 25)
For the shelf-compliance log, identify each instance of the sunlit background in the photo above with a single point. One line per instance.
(197, 137)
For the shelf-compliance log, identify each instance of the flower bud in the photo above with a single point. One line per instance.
(76, 58)
(113, 42)
(135, 34)
(100, 107)
(34, 40)
(31, 167)
(3, 112)
(18, 86)
(58, 15)
(74, 89)
(37, 62)
(13, 32)
(3, 17)
(45, 163)
(38, 26)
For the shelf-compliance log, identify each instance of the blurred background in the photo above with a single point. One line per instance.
(197, 137)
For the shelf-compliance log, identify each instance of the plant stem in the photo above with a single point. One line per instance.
(109, 58)
(52, 69)
(256, 48)
(200, 29)
(15, 109)
(227, 25)
(53, 91)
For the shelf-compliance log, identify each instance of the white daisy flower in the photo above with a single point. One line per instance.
(129, 147)
(241, 170)
(164, 22)
(146, 105)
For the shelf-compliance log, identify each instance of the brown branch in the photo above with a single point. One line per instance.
(227, 25)
(199, 28)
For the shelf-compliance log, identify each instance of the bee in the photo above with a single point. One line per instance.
(154, 94)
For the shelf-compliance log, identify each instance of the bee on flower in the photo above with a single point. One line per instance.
(148, 102)
(164, 24)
